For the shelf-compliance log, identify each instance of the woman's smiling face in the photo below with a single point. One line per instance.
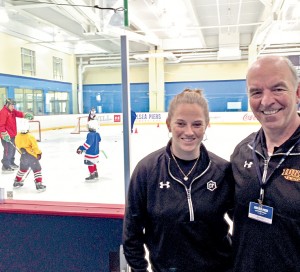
(187, 126)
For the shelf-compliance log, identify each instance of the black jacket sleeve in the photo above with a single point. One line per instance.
(134, 221)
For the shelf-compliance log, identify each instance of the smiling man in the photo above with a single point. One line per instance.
(273, 95)
(266, 167)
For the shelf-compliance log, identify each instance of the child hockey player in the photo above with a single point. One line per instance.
(30, 156)
(92, 114)
(91, 148)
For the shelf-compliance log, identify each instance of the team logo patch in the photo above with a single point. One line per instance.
(164, 185)
(211, 185)
(248, 164)
(291, 174)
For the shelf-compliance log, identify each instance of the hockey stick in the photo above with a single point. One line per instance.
(15, 147)
(26, 175)
(28, 171)
(103, 152)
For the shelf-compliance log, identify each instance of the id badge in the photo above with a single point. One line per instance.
(260, 212)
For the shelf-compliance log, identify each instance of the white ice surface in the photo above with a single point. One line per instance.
(64, 172)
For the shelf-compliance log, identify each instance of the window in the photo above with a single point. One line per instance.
(29, 101)
(57, 102)
(3, 96)
(57, 68)
(28, 62)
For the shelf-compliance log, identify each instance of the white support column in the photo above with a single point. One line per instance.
(156, 83)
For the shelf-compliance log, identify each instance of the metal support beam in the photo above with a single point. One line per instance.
(126, 109)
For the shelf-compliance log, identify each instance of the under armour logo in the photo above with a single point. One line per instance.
(248, 164)
(162, 185)
(211, 185)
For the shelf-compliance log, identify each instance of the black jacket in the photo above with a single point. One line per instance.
(183, 227)
(260, 246)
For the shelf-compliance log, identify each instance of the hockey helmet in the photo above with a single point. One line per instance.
(10, 101)
(93, 125)
(24, 126)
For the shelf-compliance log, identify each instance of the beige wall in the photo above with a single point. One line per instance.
(173, 72)
(211, 71)
(101, 75)
(10, 55)
(10, 52)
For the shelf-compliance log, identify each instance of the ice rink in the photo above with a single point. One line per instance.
(64, 172)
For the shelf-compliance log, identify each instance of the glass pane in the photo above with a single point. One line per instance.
(38, 103)
(28, 61)
(19, 97)
(3, 96)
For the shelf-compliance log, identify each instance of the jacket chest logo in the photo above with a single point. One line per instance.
(164, 185)
(248, 164)
(211, 185)
(291, 174)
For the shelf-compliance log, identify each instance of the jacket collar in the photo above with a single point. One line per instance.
(261, 146)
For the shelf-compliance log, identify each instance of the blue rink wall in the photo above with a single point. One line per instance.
(219, 93)
(107, 98)
(12, 82)
(44, 237)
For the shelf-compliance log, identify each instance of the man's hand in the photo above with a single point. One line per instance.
(5, 136)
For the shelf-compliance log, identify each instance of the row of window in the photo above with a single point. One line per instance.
(29, 64)
(28, 100)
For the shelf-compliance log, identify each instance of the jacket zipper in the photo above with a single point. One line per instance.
(190, 203)
(264, 176)
(189, 190)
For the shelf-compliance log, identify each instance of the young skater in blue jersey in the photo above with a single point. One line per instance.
(92, 114)
(91, 149)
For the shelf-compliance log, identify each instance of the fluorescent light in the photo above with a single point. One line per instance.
(229, 53)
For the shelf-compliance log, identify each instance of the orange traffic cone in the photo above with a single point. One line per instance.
(157, 125)
(136, 131)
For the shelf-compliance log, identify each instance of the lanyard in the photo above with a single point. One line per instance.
(262, 178)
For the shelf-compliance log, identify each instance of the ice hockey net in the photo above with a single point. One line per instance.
(81, 125)
(35, 129)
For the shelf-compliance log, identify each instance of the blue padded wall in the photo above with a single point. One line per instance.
(45, 243)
